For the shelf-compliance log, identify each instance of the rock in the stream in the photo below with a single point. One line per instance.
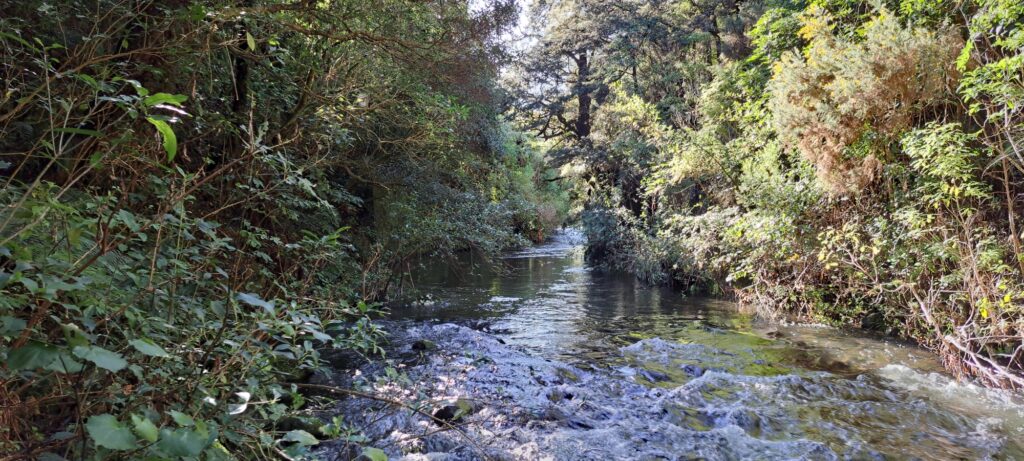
(453, 413)
(423, 345)
(565, 375)
(515, 406)
(558, 395)
(655, 376)
(480, 325)
(693, 370)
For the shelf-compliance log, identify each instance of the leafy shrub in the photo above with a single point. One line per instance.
(873, 181)
(845, 91)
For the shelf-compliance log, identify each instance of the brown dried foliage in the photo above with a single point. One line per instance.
(843, 91)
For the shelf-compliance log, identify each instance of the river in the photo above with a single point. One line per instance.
(544, 357)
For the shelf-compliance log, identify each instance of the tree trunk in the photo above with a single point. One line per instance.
(583, 91)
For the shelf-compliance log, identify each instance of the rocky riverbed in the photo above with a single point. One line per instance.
(548, 358)
(478, 398)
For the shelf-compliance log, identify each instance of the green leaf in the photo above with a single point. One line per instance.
(108, 432)
(145, 428)
(31, 285)
(182, 419)
(250, 41)
(103, 358)
(11, 326)
(141, 90)
(36, 355)
(74, 335)
(164, 98)
(301, 437)
(81, 131)
(32, 356)
(148, 347)
(965, 56)
(96, 158)
(65, 364)
(17, 39)
(254, 300)
(182, 442)
(197, 12)
(167, 133)
(375, 454)
(88, 80)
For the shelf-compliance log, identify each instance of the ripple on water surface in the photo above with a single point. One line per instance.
(659, 376)
(898, 412)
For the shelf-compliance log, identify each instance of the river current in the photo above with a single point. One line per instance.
(544, 357)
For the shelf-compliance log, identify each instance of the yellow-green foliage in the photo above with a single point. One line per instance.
(859, 166)
(841, 91)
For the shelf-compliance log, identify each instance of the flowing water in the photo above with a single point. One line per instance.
(560, 361)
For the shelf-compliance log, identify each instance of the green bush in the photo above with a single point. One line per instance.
(856, 167)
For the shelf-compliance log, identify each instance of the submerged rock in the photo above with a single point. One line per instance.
(528, 408)
(498, 402)
(655, 376)
(693, 370)
(480, 325)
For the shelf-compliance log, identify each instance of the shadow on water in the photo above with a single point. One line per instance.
(854, 393)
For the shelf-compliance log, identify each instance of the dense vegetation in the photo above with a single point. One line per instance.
(840, 161)
(198, 195)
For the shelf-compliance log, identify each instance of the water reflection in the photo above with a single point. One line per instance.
(840, 388)
(548, 301)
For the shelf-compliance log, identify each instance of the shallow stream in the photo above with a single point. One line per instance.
(546, 358)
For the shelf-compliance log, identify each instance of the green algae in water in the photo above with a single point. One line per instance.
(567, 375)
(699, 348)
